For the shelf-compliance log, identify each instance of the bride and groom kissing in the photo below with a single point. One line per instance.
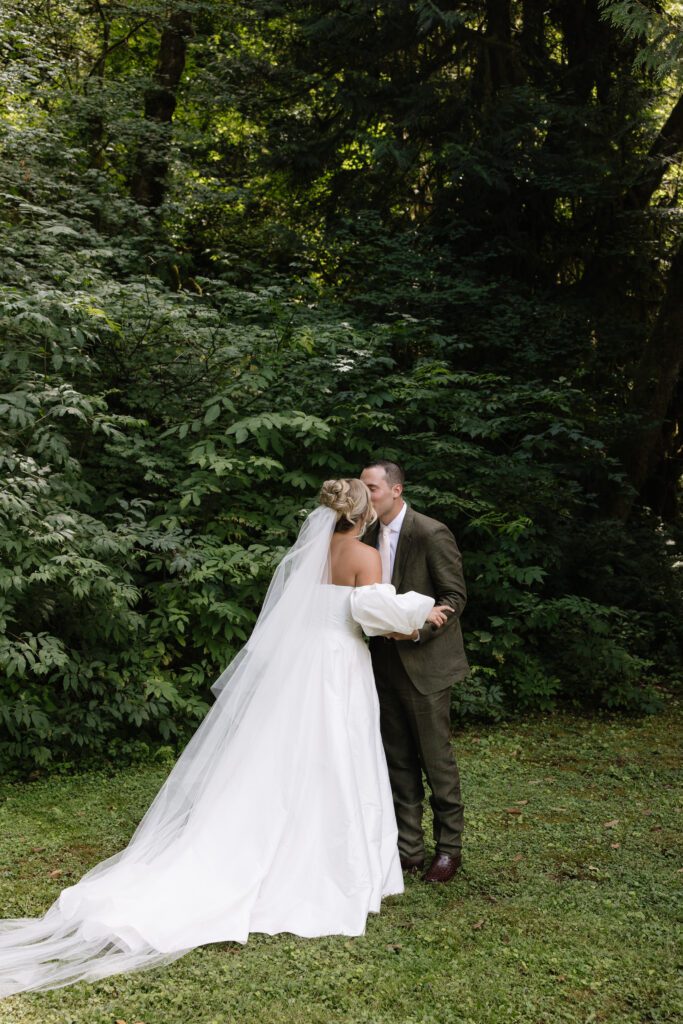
(297, 804)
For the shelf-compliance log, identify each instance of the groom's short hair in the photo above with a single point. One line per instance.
(394, 472)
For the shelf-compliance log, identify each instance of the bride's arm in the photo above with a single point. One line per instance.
(381, 611)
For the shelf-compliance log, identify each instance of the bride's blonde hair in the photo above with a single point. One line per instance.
(350, 499)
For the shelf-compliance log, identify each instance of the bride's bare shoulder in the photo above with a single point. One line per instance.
(367, 562)
(365, 554)
(367, 565)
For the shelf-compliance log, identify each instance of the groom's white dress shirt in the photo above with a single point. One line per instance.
(394, 529)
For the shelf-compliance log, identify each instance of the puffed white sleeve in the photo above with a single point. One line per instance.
(379, 609)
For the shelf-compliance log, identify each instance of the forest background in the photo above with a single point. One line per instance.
(249, 246)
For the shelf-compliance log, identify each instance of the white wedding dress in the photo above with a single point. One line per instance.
(278, 816)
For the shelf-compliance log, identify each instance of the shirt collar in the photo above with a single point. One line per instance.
(396, 523)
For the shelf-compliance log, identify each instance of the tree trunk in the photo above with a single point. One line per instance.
(95, 120)
(499, 65)
(653, 393)
(660, 491)
(666, 146)
(148, 182)
(533, 39)
(589, 51)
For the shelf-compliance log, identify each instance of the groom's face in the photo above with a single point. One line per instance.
(382, 494)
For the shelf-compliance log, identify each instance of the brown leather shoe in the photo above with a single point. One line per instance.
(413, 865)
(443, 867)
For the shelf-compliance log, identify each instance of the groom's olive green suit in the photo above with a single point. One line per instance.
(414, 683)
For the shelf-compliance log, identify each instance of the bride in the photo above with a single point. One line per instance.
(278, 815)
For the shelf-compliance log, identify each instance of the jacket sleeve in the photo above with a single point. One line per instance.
(379, 609)
(444, 562)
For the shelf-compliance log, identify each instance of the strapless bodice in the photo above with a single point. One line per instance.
(338, 615)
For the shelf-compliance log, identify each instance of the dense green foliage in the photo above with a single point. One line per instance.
(247, 247)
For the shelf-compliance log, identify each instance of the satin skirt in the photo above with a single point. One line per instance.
(294, 832)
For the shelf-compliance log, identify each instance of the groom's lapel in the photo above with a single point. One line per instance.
(403, 548)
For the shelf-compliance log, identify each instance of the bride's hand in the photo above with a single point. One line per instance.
(438, 616)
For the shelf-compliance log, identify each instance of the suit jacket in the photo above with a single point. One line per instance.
(428, 560)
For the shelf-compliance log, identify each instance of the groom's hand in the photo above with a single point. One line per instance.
(404, 636)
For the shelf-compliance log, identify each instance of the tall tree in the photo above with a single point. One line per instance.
(148, 180)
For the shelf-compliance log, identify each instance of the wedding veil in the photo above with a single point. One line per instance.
(86, 934)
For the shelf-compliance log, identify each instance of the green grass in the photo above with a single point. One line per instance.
(566, 911)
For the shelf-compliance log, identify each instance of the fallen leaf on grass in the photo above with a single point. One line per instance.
(394, 947)
(517, 857)
(610, 824)
(478, 925)
(56, 873)
(37, 849)
(615, 846)
(512, 810)
(521, 803)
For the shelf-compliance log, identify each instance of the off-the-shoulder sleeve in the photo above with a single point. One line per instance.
(379, 609)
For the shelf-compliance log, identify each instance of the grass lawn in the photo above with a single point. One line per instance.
(566, 908)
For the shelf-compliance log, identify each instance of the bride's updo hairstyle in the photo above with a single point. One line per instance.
(350, 499)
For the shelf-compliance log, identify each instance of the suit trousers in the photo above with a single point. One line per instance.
(416, 735)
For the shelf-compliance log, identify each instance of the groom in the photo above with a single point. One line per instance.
(414, 674)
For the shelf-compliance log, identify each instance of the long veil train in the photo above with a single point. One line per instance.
(92, 930)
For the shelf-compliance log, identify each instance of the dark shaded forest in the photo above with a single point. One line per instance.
(249, 246)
